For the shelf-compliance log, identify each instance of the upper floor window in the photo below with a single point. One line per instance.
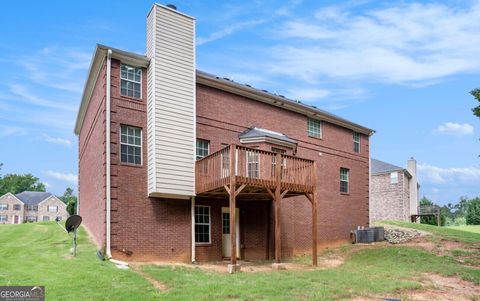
(32, 208)
(203, 148)
(17, 207)
(356, 142)
(3, 207)
(314, 128)
(202, 224)
(344, 178)
(130, 144)
(394, 177)
(52, 208)
(130, 81)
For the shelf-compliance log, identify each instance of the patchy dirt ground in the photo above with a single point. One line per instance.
(434, 287)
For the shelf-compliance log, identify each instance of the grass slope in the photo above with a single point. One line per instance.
(471, 228)
(38, 254)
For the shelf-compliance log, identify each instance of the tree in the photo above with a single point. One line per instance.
(476, 94)
(70, 200)
(16, 183)
(472, 215)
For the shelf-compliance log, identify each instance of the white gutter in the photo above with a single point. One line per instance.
(193, 229)
(107, 150)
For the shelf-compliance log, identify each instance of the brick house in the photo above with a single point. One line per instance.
(31, 206)
(179, 164)
(394, 191)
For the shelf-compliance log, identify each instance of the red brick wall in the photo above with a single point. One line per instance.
(92, 162)
(154, 228)
(221, 117)
(149, 227)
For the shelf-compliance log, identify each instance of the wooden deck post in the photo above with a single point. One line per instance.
(314, 216)
(277, 200)
(233, 234)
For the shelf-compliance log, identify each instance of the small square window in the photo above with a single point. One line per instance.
(314, 128)
(52, 208)
(17, 207)
(203, 148)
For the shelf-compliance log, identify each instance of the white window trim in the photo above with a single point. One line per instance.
(347, 180)
(196, 147)
(392, 177)
(355, 142)
(120, 145)
(56, 209)
(6, 207)
(4, 220)
(209, 226)
(120, 81)
(247, 165)
(320, 132)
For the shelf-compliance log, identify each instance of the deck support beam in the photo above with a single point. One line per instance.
(277, 201)
(233, 229)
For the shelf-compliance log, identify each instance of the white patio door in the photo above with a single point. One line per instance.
(226, 247)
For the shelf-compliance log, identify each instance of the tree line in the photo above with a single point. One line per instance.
(465, 212)
(17, 183)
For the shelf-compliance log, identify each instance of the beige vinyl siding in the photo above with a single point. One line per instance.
(171, 103)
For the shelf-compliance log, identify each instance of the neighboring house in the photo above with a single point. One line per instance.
(188, 169)
(394, 191)
(31, 206)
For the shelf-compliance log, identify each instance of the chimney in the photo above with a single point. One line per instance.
(413, 185)
(171, 125)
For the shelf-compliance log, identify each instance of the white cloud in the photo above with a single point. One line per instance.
(456, 129)
(406, 43)
(308, 94)
(26, 96)
(7, 130)
(67, 177)
(453, 175)
(57, 140)
(228, 31)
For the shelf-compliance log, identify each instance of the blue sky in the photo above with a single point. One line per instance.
(402, 68)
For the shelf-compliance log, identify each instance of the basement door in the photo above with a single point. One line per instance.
(226, 247)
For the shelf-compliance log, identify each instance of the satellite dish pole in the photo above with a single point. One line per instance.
(71, 225)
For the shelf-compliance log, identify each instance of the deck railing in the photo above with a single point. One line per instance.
(428, 209)
(254, 167)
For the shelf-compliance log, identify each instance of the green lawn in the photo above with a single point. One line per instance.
(471, 228)
(38, 254)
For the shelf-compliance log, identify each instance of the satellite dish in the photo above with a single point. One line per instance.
(73, 222)
(71, 225)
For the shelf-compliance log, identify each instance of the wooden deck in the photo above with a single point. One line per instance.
(256, 169)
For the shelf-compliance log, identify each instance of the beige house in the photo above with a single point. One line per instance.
(394, 191)
(31, 206)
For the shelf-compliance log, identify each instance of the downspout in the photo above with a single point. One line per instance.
(193, 229)
(107, 150)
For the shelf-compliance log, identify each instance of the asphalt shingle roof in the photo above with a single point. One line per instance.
(255, 132)
(32, 197)
(381, 167)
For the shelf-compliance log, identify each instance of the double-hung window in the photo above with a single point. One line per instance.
(202, 224)
(130, 81)
(203, 148)
(131, 145)
(314, 128)
(32, 208)
(253, 168)
(3, 218)
(344, 178)
(17, 207)
(394, 177)
(52, 208)
(3, 207)
(356, 142)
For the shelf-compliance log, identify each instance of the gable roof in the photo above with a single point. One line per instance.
(33, 197)
(378, 167)
(12, 195)
(209, 80)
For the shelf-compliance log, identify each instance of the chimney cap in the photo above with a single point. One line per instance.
(171, 6)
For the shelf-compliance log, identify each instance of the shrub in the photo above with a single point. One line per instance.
(472, 216)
